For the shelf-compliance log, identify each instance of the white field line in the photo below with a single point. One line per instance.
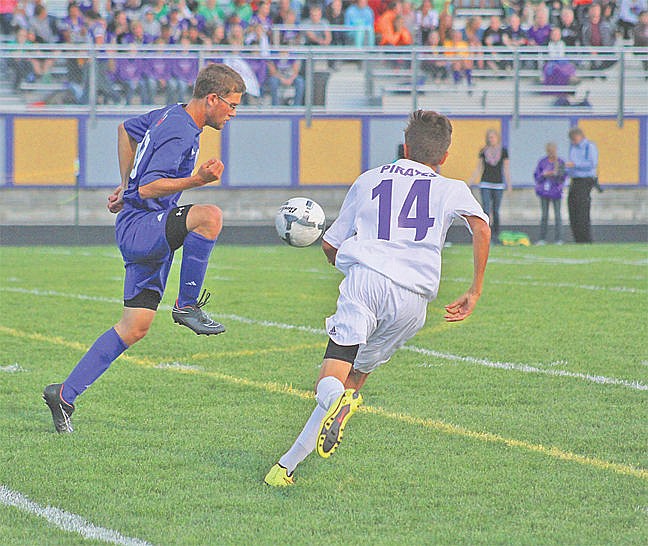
(516, 366)
(595, 288)
(66, 521)
(12, 368)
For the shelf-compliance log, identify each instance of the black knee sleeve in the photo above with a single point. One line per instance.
(346, 353)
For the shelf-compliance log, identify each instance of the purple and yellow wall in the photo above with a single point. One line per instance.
(282, 151)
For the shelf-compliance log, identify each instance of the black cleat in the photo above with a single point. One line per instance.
(194, 318)
(61, 410)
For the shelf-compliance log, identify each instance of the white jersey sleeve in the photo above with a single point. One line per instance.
(394, 220)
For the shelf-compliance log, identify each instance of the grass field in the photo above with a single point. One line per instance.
(526, 424)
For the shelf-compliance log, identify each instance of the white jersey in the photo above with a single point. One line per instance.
(394, 220)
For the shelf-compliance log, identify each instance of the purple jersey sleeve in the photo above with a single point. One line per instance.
(136, 127)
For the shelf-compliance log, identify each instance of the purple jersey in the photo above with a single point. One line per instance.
(129, 68)
(157, 68)
(185, 68)
(168, 147)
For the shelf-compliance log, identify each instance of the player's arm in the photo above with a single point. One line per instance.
(330, 251)
(462, 307)
(475, 177)
(126, 148)
(209, 171)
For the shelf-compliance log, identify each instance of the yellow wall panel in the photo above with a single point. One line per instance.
(45, 151)
(210, 146)
(618, 149)
(468, 137)
(330, 151)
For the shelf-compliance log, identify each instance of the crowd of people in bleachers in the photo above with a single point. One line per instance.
(557, 24)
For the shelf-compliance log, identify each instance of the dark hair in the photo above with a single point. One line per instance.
(219, 79)
(428, 135)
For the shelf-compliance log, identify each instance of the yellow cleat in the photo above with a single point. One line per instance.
(335, 420)
(278, 477)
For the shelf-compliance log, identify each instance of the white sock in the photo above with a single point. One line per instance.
(329, 390)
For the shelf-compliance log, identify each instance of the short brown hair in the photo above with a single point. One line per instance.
(428, 135)
(219, 79)
(574, 131)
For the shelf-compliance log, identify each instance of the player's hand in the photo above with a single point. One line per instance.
(210, 171)
(461, 308)
(116, 200)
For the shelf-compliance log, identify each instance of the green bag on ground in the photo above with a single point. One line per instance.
(514, 238)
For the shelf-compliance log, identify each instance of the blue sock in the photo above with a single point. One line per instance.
(456, 76)
(95, 362)
(469, 77)
(195, 257)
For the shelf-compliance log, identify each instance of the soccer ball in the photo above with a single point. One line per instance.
(300, 221)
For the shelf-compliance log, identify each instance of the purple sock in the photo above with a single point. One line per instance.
(469, 77)
(456, 76)
(195, 257)
(95, 362)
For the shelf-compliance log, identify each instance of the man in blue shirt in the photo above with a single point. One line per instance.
(157, 154)
(582, 168)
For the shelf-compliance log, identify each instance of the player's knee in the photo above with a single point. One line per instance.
(211, 221)
(134, 333)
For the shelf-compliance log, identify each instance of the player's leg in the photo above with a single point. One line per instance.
(544, 218)
(571, 209)
(133, 326)
(329, 390)
(496, 199)
(195, 228)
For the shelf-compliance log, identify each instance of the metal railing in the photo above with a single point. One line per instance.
(522, 81)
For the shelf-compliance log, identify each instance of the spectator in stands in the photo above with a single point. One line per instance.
(549, 176)
(554, 8)
(460, 62)
(385, 23)
(558, 70)
(104, 72)
(320, 34)
(160, 10)
(177, 25)
(279, 12)
(581, 8)
(641, 35)
(136, 35)
(629, 15)
(72, 28)
(241, 9)
(538, 34)
(569, 30)
(151, 26)
(362, 16)
(218, 35)
(132, 9)
(397, 34)
(24, 69)
(582, 167)
(472, 34)
(19, 18)
(157, 75)
(210, 14)
(129, 75)
(41, 25)
(608, 10)
(118, 29)
(335, 16)
(97, 26)
(262, 19)
(290, 35)
(7, 8)
(409, 17)
(445, 27)
(436, 68)
(493, 173)
(284, 74)
(494, 37)
(427, 20)
(184, 69)
(195, 37)
(236, 35)
(597, 32)
(514, 34)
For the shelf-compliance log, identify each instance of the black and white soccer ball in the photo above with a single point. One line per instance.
(300, 221)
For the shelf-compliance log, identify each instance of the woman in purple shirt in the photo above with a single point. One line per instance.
(549, 178)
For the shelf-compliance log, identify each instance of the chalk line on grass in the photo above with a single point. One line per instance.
(66, 521)
(12, 368)
(512, 366)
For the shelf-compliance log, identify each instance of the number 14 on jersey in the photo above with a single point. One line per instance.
(416, 201)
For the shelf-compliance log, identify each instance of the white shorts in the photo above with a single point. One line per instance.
(375, 313)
